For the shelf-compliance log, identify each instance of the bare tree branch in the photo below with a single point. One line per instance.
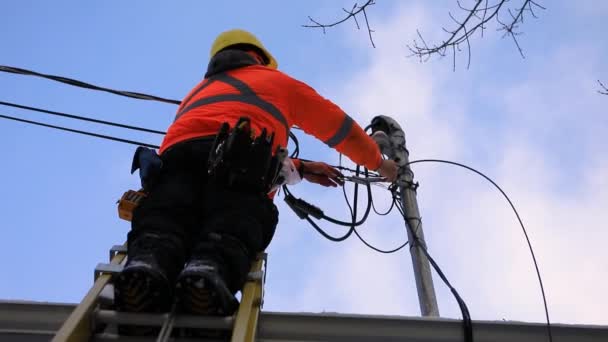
(476, 19)
(604, 90)
(350, 14)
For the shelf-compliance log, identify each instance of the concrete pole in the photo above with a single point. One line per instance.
(391, 139)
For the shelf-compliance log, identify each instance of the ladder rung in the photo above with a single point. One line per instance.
(255, 276)
(152, 319)
(107, 337)
(112, 269)
(117, 249)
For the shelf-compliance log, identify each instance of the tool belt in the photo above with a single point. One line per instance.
(237, 161)
(240, 161)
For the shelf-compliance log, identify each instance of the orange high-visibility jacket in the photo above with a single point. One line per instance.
(274, 101)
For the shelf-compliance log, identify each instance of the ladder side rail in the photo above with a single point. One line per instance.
(246, 322)
(78, 326)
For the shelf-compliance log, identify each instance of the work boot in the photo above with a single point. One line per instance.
(201, 290)
(141, 287)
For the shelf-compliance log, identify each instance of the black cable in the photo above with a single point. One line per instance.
(325, 235)
(316, 227)
(131, 94)
(383, 251)
(466, 317)
(354, 215)
(296, 150)
(368, 209)
(77, 117)
(353, 212)
(388, 211)
(370, 200)
(79, 132)
(389, 251)
(540, 281)
(343, 168)
(85, 85)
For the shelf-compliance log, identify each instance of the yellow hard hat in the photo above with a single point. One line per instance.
(236, 36)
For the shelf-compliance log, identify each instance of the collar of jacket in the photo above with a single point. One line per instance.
(228, 60)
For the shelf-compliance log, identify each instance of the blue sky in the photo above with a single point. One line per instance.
(536, 124)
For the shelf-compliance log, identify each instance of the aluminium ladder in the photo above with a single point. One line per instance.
(93, 318)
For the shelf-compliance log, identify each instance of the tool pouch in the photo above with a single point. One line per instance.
(240, 161)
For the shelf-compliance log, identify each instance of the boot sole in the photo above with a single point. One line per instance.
(138, 290)
(195, 296)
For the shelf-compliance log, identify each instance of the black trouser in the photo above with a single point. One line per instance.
(186, 216)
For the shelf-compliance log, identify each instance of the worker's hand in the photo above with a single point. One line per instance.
(321, 173)
(389, 170)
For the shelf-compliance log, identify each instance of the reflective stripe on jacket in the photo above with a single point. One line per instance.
(273, 101)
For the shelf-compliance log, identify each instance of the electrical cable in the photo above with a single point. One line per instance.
(388, 211)
(296, 150)
(540, 281)
(76, 83)
(362, 220)
(466, 317)
(350, 208)
(353, 214)
(345, 223)
(369, 245)
(316, 227)
(79, 131)
(351, 224)
(82, 118)
(326, 235)
(130, 94)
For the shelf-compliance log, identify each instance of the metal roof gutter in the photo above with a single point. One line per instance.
(34, 321)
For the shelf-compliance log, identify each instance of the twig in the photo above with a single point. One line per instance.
(604, 90)
(350, 14)
(476, 19)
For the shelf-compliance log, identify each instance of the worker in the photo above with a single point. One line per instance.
(194, 236)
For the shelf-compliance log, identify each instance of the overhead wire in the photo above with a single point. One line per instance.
(125, 93)
(540, 281)
(108, 137)
(76, 83)
(82, 118)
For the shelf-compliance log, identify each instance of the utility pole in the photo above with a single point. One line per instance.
(391, 139)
